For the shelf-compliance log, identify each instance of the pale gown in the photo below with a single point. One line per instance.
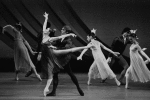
(21, 56)
(138, 70)
(100, 67)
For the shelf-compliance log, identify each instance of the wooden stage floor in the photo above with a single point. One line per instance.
(31, 89)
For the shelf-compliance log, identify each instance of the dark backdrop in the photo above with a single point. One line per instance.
(109, 17)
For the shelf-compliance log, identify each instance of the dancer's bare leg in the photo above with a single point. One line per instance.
(17, 77)
(90, 72)
(89, 79)
(127, 78)
(117, 82)
(46, 90)
(34, 70)
(70, 50)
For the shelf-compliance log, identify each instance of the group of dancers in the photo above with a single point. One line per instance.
(56, 55)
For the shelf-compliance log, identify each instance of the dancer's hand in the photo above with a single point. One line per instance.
(39, 56)
(108, 59)
(147, 61)
(73, 35)
(53, 47)
(3, 30)
(79, 58)
(45, 15)
(144, 49)
(62, 39)
(116, 53)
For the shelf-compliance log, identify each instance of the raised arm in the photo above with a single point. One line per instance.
(45, 22)
(109, 50)
(12, 27)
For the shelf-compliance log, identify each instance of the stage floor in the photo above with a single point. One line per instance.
(30, 89)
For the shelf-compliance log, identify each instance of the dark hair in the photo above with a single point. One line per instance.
(48, 25)
(133, 35)
(52, 33)
(68, 29)
(18, 26)
(92, 34)
(127, 29)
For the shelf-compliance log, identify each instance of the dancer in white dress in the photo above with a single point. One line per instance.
(100, 67)
(137, 70)
(23, 62)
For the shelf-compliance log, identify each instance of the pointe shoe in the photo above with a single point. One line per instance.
(118, 83)
(38, 76)
(126, 87)
(89, 83)
(17, 79)
(45, 92)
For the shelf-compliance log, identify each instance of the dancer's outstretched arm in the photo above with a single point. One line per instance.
(45, 22)
(12, 27)
(61, 37)
(82, 53)
(109, 50)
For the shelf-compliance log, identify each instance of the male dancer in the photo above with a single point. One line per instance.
(119, 44)
(65, 59)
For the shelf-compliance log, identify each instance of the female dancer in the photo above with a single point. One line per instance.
(50, 54)
(100, 67)
(21, 56)
(138, 70)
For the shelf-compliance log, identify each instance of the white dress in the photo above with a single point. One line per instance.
(100, 67)
(138, 70)
(22, 58)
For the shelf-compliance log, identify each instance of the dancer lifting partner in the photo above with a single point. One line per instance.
(51, 55)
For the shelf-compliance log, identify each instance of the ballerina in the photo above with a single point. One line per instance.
(137, 70)
(100, 67)
(22, 59)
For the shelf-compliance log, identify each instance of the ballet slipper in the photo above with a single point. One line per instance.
(17, 79)
(39, 77)
(89, 83)
(126, 87)
(118, 83)
(45, 92)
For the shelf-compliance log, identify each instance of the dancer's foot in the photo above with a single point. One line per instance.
(29, 73)
(126, 87)
(51, 94)
(45, 92)
(118, 83)
(89, 83)
(81, 92)
(38, 76)
(17, 79)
